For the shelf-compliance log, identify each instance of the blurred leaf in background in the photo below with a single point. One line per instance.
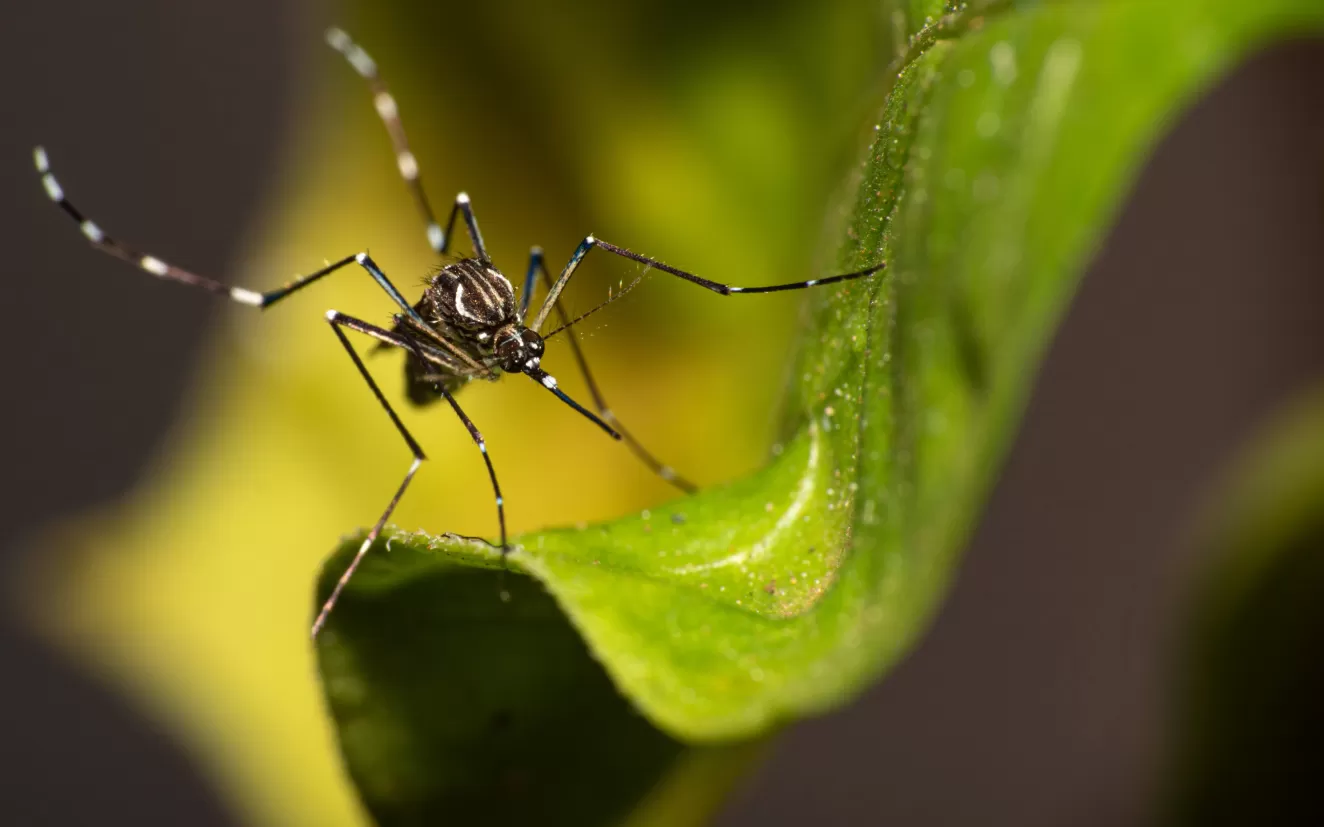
(712, 139)
(1250, 717)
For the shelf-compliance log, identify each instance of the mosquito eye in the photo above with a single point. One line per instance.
(533, 342)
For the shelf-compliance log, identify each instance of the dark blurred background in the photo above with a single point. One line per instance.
(1042, 693)
(197, 94)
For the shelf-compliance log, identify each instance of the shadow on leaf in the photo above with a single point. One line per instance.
(456, 707)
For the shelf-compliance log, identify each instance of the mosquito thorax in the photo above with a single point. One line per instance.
(471, 294)
(517, 349)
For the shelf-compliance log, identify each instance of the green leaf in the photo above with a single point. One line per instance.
(1008, 139)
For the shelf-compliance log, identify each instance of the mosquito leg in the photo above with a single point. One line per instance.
(590, 242)
(549, 301)
(463, 207)
(337, 321)
(101, 241)
(537, 265)
(389, 111)
(477, 437)
(150, 263)
(730, 289)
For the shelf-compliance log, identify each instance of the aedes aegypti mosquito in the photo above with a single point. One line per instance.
(468, 324)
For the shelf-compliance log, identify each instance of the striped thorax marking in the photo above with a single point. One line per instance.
(472, 295)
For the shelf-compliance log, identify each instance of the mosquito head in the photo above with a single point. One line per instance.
(518, 349)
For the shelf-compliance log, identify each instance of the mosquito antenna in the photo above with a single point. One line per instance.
(581, 317)
(549, 382)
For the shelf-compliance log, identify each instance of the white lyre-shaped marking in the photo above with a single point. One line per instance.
(459, 304)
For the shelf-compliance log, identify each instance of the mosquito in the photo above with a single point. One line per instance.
(469, 324)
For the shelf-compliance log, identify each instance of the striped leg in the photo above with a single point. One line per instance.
(477, 437)
(337, 321)
(590, 242)
(389, 111)
(537, 265)
(170, 272)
